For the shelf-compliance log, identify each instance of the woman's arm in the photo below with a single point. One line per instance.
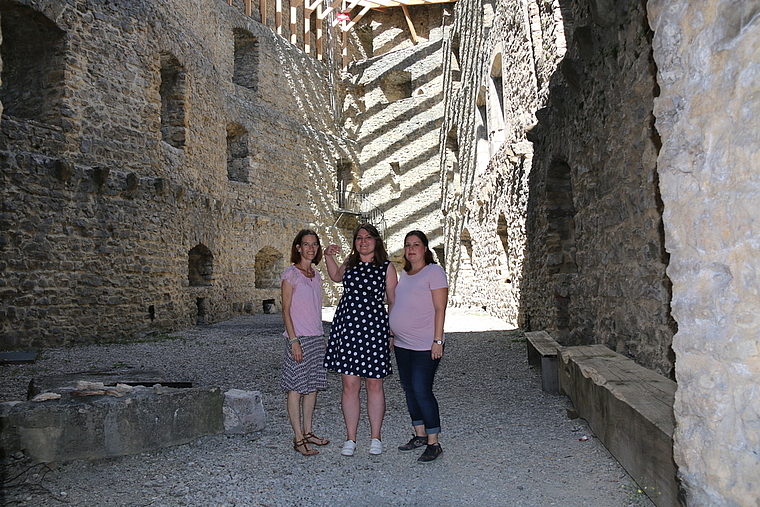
(335, 271)
(391, 280)
(440, 299)
(287, 300)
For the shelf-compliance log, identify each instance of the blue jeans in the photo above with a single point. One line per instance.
(416, 370)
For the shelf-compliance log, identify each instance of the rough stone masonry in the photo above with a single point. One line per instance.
(595, 177)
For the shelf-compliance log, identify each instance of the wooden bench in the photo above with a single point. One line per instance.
(630, 409)
(542, 352)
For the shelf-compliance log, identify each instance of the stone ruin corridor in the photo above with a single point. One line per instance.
(584, 168)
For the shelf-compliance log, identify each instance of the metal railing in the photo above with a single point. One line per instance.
(358, 204)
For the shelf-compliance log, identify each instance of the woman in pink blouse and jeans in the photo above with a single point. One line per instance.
(417, 322)
(303, 373)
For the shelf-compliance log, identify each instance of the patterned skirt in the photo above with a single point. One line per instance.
(309, 375)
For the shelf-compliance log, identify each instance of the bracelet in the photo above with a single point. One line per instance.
(294, 340)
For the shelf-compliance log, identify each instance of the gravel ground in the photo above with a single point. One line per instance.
(505, 441)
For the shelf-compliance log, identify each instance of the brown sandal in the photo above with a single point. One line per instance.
(311, 438)
(301, 446)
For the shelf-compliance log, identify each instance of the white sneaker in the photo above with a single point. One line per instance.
(376, 446)
(348, 448)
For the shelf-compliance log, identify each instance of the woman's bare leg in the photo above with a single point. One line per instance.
(375, 405)
(351, 404)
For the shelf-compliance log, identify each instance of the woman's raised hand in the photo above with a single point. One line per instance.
(332, 250)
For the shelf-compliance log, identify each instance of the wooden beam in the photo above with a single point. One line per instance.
(293, 21)
(410, 23)
(344, 51)
(327, 11)
(307, 30)
(319, 32)
(247, 7)
(356, 19)
(278, 16)
(379, 4)
(263, 10)
(346, 8)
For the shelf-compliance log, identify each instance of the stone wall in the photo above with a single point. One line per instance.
(179, 148)
(707, 114)
(555, 172)
(595, 237)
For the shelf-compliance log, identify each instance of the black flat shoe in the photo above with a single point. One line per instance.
(415, 443)
(431, 453)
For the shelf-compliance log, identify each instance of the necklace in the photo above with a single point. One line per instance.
(308, 273)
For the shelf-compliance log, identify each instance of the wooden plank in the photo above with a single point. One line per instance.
(278, 17)
(356, 19)
(293, 20)
(344, 51)
(320, 37)
(18, 357)
(325, 12)
(409, 23)
(263, 11)
(549, 379)
(382, 4)
(630, 409)
(542, 351)
(307, 29)
(542, 342)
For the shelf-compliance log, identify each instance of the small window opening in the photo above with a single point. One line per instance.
(31, 59)
(246, 67)
(173, 92)
(397, 85)
(200, 267)
(269, 264)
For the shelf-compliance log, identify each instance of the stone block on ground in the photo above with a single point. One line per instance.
(100, 426)
(243, 411)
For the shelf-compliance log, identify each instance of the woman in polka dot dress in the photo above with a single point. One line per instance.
(360, 342)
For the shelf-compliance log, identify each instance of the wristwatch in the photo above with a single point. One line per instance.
(438, 342)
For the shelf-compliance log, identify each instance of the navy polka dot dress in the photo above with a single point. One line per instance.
(358, 343)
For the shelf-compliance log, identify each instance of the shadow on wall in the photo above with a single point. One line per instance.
(593, 199)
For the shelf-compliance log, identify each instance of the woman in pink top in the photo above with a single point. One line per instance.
(416, 320)
(303, 373)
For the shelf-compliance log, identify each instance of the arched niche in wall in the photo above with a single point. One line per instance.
(32, 55)
(246, 60)
(502, 228)
(173, 92)
(465, 273)
(344, 183)
(466, 241)
(453, 175)
(269, 264)
(200, 266)
(502, 231)
(455, 69)
(482, 145)
(495, 100)
(238, 159)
